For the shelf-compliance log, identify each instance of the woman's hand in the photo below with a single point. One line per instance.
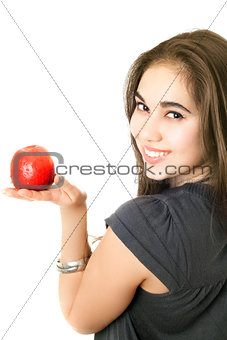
(65, 196)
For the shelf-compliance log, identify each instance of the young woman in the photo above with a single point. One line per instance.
(160, 270)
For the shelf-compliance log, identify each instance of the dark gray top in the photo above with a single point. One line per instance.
(170, 234)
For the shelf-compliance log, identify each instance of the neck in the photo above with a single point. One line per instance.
(182, 179)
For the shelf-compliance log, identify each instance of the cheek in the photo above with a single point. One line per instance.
(136, 124)
(180, 139)
(188, 143)
(133, 126)
(186, 137)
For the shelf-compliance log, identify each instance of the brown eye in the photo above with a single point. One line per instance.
(141, 106)
(175, 114)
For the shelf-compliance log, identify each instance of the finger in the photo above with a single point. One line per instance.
(56, 179)
(43, 195)
(72, 191)
(66, 186)
(22, 198)
(11, 192)
(71, 188)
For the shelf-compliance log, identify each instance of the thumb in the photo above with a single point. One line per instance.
(56, 179)
(73, 190)
(59, 180)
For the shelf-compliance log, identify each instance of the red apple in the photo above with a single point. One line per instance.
(32, 171)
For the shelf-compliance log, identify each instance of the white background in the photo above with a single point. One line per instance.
(88, 47)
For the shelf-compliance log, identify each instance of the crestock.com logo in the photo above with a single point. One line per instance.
(62, 169)
(123, 170)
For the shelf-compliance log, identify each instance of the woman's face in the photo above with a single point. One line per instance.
(169, 121)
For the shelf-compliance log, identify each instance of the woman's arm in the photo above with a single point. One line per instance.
(74, 247)
(93, 298)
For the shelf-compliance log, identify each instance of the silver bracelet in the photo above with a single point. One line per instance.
(71, 267)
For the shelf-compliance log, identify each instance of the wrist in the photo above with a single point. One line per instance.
(74, 232)
(74, 206)
(74, 210)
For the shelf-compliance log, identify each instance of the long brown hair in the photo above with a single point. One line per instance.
(201, 58)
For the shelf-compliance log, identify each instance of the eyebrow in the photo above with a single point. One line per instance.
(165, 103)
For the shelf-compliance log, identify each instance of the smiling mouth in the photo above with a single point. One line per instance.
(155, 154)
(152, 156)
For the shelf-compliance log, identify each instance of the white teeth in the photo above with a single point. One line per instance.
(155, 154)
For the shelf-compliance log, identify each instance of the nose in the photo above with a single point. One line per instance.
(150, 129)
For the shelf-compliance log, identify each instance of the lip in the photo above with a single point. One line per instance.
(153, 149)
(154, 160)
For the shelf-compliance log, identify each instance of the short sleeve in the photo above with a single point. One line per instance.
(146, 227)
